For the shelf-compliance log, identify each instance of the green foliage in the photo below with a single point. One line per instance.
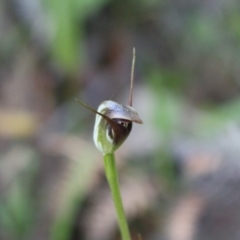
(73, 191)
(215, 119)
(67, 19)
(17, 215)
(166, 78)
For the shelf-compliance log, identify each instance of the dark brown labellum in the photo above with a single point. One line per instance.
(120, 131)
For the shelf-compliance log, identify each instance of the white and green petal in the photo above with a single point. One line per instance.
(112, 130)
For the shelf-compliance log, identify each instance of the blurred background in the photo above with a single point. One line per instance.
(179, 171)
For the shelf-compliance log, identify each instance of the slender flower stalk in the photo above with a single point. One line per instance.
(112, 177)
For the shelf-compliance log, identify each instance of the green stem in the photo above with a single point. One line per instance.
(112, 177)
